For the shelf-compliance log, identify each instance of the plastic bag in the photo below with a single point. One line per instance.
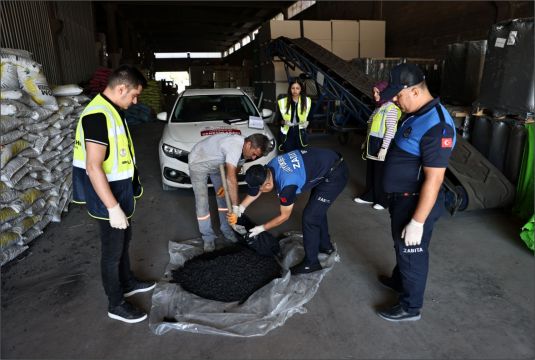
(10, 253)
(67, 90)
(26, 224)
(10, 95)
(12, 167)
(17, 109)
(26, 183)
(33, 81)
(16, 52)
(16, 177)
(11, 136)
(8, 123)
(7, 194)
(8, 74)
(11, 150)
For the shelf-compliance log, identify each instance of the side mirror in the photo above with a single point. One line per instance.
(266, 113)
(162, 116)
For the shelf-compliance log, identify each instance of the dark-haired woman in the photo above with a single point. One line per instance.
(294, 109)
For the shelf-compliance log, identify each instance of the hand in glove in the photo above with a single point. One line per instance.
(363, 146)
(238, 209)
(412, 233)
(303, 125)
(118, 219)
(381, 154)
(256, 230)
(220, 192)
(232, 218)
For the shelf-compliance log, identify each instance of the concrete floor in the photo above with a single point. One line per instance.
(479, 301)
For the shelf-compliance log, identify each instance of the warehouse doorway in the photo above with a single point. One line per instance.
(179, 78)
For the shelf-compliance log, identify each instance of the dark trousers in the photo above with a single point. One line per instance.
(412, 262)
(295, 139)
(315, 229)
(374, 183)
(115, 261)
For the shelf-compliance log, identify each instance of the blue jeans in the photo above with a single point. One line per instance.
(199, 173)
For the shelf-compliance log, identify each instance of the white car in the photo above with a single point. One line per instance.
(198, 113)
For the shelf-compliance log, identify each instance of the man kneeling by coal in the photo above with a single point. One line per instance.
(322, 171)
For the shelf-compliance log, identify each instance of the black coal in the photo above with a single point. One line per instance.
(232, 273)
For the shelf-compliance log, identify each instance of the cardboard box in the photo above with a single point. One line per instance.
(346, 30)
(325, 43)
(320, 30)
(346, 50)
(372, 39)
(276, 28)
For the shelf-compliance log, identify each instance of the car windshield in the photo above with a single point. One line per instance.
(213, 107)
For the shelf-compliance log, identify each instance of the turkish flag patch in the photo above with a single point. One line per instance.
(447, 143)
(284, 200)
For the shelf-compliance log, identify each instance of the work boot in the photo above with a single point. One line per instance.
(209, 245)
(305, 268)
(140, 286)
(397, 313)
(126, 312)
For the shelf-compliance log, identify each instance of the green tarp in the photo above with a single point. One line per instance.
(523, 207)
(527, 234)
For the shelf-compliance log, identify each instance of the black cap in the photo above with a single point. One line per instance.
(255, 177)
(402, 76)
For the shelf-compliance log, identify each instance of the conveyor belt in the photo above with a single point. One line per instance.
(337, 77)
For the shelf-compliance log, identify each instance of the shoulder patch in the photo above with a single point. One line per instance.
(447, 142)
(283, 200)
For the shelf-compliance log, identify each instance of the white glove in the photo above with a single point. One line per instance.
(238, 209)
(381, 154)
(118, 219)
(363, 146)
(412, 233)
(303, 125)
(256, 230)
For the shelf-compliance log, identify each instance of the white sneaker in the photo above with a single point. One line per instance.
(360, 201)
(378, 207)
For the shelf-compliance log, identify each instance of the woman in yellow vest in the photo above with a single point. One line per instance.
(382, 126)
(294, 109)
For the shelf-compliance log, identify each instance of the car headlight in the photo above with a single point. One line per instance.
(176, 153)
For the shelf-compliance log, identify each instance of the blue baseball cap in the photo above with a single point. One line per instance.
(402, 76)
(255, 176)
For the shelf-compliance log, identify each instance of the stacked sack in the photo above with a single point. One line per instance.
(37, 139)
(152, 96)
(99, 81)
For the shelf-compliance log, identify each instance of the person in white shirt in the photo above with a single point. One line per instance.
(204, 160)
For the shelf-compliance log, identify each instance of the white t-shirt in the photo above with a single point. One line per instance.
(224, 148)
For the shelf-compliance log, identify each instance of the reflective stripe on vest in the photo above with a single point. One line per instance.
(378, 125)
(287, 115)
(121, 159)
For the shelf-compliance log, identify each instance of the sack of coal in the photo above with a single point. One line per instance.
(264, 244)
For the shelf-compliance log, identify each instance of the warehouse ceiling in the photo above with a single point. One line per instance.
(178, 26)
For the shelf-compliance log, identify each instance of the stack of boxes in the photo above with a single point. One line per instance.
(348, 39)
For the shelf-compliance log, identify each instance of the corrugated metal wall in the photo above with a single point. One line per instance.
(76, 43)
(72, 57)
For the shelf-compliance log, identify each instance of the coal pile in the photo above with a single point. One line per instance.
(229, 274)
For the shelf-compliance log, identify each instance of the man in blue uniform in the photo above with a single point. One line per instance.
(413, 175)
(322, 171)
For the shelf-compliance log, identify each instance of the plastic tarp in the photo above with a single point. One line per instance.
(523, 206)
(527, 234)
(269, 307)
